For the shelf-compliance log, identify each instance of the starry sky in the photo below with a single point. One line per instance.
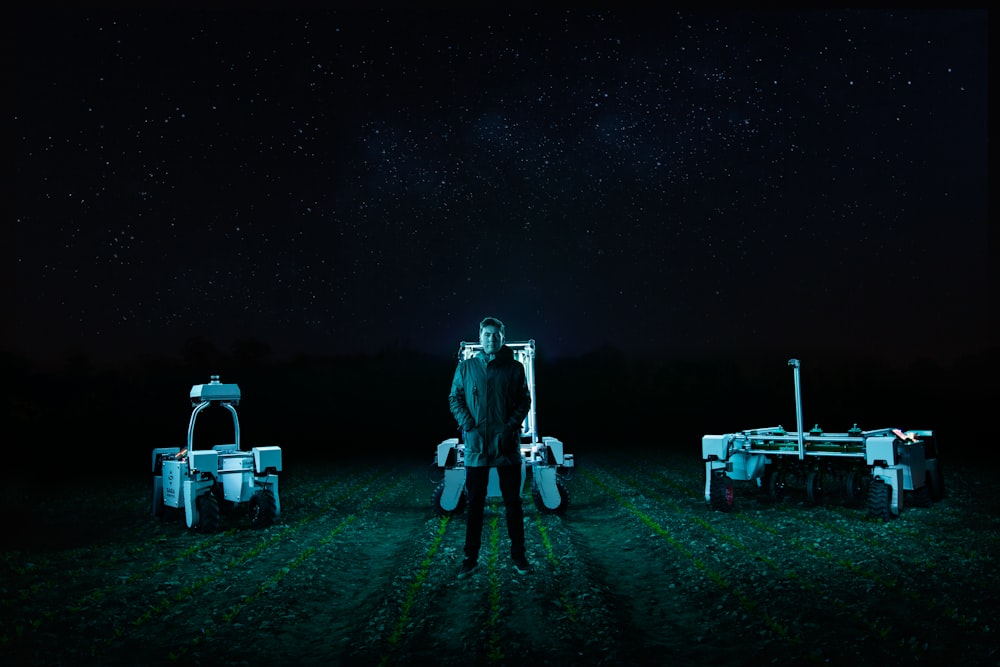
(662, 182)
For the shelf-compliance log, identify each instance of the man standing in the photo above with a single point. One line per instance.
(489, 399)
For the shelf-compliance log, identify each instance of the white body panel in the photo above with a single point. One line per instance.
(233, 474)
(266, 458)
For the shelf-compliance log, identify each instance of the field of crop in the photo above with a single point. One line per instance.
(359, 570)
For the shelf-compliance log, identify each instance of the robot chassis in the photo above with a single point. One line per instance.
(544, 456)
(881, 467)
(203, 482)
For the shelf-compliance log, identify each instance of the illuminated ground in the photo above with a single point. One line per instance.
(360, 571)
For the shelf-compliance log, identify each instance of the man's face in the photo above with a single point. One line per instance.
(491, 339)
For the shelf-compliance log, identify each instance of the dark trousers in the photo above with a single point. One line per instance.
(476, 480)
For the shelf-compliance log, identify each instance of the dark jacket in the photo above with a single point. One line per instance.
(490, 399)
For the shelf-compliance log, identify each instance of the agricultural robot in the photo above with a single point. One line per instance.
(550, 466)
(204, 482)
(880, 467)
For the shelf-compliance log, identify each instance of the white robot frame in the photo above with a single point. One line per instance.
(203, 481)
(883, 466)
(550, 466)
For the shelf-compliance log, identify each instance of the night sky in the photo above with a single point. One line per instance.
(663, 183)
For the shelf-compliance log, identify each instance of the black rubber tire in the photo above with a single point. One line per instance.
(854, 486)
(920, 497)
(209, 516)
(814, 487)
(722, 493)
(935, 481)
(879, 500)
(776, 485)
(158, 497)
(436, 501)
(226, 508)
(158, 504)
(435, 473)
(263, 509)
(536, 496)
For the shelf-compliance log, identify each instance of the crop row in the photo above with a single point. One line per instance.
(937, 532)
(110, 601)
(761, 542)
(30, 575)
(425, 614)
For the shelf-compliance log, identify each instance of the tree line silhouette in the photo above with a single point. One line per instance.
(394, 402)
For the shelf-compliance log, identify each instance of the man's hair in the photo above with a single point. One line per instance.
(487, 321)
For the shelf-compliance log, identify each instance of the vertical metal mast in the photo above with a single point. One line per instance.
(794, 363)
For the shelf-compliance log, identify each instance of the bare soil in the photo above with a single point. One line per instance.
(360, 570)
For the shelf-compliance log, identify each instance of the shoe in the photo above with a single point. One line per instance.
(468, 567)
(521, 565)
